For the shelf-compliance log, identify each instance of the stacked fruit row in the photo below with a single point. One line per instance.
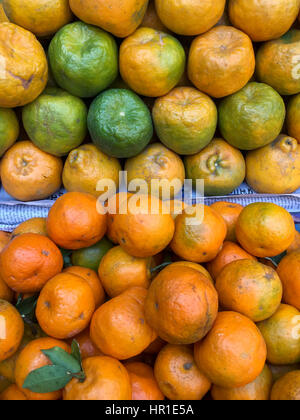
(214, 86)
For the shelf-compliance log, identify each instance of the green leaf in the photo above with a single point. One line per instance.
(61, 358)
(26, 307)
(276, 260)
(76, 352)
(47, 379)
(159, 267)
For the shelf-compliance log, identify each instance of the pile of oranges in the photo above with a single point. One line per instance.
(183, 306)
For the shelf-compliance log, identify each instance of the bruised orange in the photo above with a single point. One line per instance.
(199, 234)
(230, 252)
(32, 358)
(178, 375)
(29, 261)
(65, 306)
(222, 61)
(181, 305)
(143, 382)
(82, 223)
(119, 327)
(233, 353)
(106, 379)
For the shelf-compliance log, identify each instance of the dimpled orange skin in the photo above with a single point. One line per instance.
(250, 288)
(29, 261)
(201, 240)
(161, 54)
(118, 271)
(280, 334)
(233, 353)
(65, 306)
(178, 375)
(106, 379)
(250, 16)
(40, 17)
(12, 393)
(12, 330)
(181, 305)
(121, 18)
(28, 173)
(287, 388)
(289, 273)
(87, 347)
(92, 279)
(31, 358)
(265, 229)
(195, 266)
(119, 328)
(34, 225)
(230, 252)
(74, 221)
(258, 390)
(190, 17)
(157, 162)
(146, 234)
(143, 382)
(275, 168)
(230, 213)
(26, 69)
(86, 166)
(222, 61)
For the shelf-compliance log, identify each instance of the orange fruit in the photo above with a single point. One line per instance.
(5, 292)
(119, 271)
(87, 347)
(289, 273)
(185, 120)
(119, 328)
(28, 173)
(233, 353)
(65, 306)
(121, 19)
(189, 17)
(277, 63)
(11, 330)
(86, 166)
(264, 167)
(93, 281)
(29, 261)
(151, 19)
(106, 379)
(34, 225)
(251, 17)
(250, 288)
(221, 167)
(159, 164)
(146, 229)
(178, 375)
(230, 213)
(292, 117)
(3, 17)
(143, 382)
(161, 54)
(281, 336)
(172, 305)
(40, 17)
(199, 234)
(258, 390)
(295, 246)
(5, 237)
(265, 229)
(113, 205)
(208, 55)
(287, 388)
(82, 223)
(32, 358)
(26, 70)
(12, 393)
(230, 252)
(195, 266)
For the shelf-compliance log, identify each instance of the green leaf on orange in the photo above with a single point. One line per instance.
(47, 379)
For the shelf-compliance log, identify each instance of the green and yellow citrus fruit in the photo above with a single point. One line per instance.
(9, 129)
(91, 257)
